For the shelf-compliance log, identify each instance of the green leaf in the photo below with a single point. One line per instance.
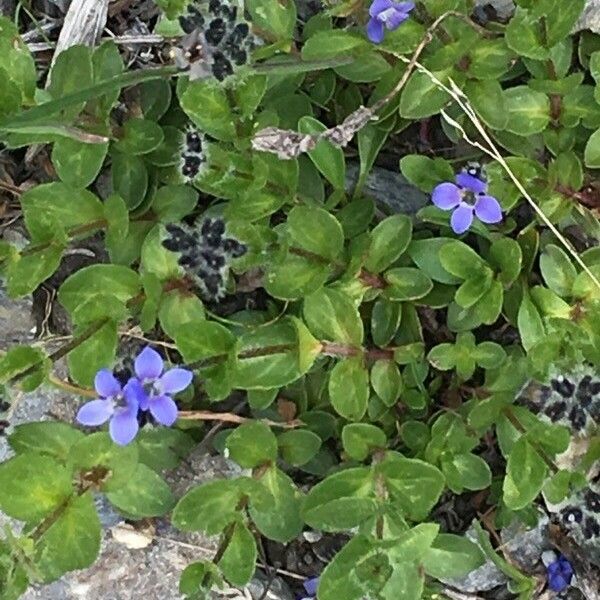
(298, 446)
(19, 359)
(507, 256)
(52, 438)
(97, 452)
(349, 388)
(97, 352)
(452, 556)
(364, 68)
(173, 202)
(386, 381)
(488, 100)
(129, 178)
(316, 230)
(443, 356)
(406, 283)
(278, 17)
(385, 320)
(209, 507)
(16, 59)
(119, 282)
(72, 542)
(162, 448)
(155, 98)
(531, 326)
(117, 217)
(269, 357)
(249, 92)
(466, 471)
(198, 339)
(76, 163)
(71, 72)
(525, 475)
(332, 315)
(460, 260)
(489, 355)
(421, 97)
(490, 59)
(252, 444)
(525, 34)
(389, 239)
(327, 44)
(156, 259)
(295, 276)
(198, 577)
(557, 270)
(145, 495)
(361, 439)
(339, 579)
(139, 136)
(28, 272)
(275, 510)
(32, 486)
(591, 154)
(426, 255)
(341, 501)
(57, 201)
(560, 20)
(528, 110)
(239, 559)
(425, 172)
(356, 216)
(178, 313)
(328, 158)
(413, 485)
(206, 104)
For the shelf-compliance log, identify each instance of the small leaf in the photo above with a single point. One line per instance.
(406, 283)
(452, 556)
(316, 230)
(298, 446)
(557, 270)
(349, 388)
(525, 475)
(252, 444)
(386, 381)
(52, 438)
(239, 559)
(33, 485)
(389, 239)
(360, 439)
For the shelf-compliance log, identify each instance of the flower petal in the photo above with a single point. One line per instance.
(379, 6)
(95, 412)
(375, 30)
(462, 218)
(488, 210)
(164, 410)
(106, 384)
(405, 7)
(311, 585)
(123, 427)
(135, 395)
(148, 364)
(446, 196)
(471, 183)
(175, 380)
(557, 583)
(395, 20)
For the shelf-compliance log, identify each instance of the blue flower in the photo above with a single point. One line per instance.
(386, 14)
(311, 585)
(465, 198)
(119, 405)
(560, 573)
(153, 388)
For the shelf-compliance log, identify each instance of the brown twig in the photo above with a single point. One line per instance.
(206, 415)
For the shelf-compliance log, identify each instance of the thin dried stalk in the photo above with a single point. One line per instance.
(205, 415)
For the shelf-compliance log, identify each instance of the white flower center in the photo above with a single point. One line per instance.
(386, 14)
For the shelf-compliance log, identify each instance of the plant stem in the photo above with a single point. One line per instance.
(205, 415)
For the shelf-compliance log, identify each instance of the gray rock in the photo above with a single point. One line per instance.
(390, 190)
(278, 589)
(16, 321)
(504, 8)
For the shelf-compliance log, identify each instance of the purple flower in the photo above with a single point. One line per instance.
(311, 585)
(117, 404)
(560, 573)
(386, 14)
(154, 389)
(464, 198)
